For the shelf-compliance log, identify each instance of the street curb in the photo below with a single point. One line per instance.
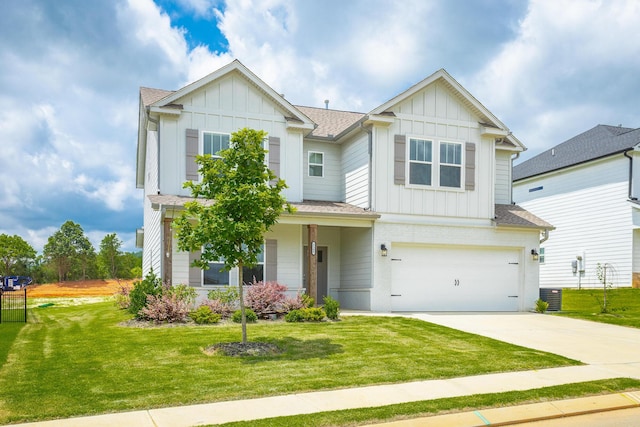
(525, 413)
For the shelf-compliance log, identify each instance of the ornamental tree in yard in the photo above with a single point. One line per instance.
(13, 249)
(246, 202)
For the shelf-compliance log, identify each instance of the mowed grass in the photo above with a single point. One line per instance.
(80, 360)
(623, 305)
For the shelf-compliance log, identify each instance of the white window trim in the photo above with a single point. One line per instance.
(201, 141)
(435, 164)
(309, 164)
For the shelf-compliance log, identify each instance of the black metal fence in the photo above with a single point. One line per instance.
(13, 306)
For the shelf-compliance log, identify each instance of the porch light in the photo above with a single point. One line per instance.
(534, 254)
(383, 250)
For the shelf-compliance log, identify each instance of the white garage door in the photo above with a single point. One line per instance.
(433, 278)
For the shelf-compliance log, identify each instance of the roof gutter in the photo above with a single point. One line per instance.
(630, 173)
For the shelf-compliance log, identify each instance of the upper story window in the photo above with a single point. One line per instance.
(442, 170)
(213, 143)
(541, 256)
(450, 164)
(420, 161)
(316, 163)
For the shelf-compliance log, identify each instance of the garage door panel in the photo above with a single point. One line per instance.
(427, 278)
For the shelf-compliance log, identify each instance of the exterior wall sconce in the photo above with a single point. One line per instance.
(534, 254)
(383, 250)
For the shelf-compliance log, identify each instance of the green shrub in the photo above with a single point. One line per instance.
(249, 314)
(331, 307)
(204, 316)
(142, 289)
(294, 316)
(313, 314)
(541, 306)
(229, 295)
(307, 300)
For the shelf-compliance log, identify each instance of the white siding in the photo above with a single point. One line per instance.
(356, 261)
(329, 186)
(289, 239)
(503, 177)
(226, 105)
(434, 114)
(355, 171)
(152, 251)
(588, 206)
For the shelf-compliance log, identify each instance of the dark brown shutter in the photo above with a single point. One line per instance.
(470, 166)
(191, 153)
(399, 159)
(271, 260)
(195, 273)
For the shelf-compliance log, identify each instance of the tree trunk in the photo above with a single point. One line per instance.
(241, 293)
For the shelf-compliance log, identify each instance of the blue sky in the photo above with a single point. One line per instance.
(71, 72)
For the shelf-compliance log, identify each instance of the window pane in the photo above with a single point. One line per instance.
(315, 170)
(213, 143)
(420, 173)
(420, 150)
(451, 153)
(249, 274)
(214, 275)
(315, 158)
(450, 176)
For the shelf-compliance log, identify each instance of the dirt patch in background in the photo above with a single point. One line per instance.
(81, 288)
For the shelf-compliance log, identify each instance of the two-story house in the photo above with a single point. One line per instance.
(407, 207)
(587, 187)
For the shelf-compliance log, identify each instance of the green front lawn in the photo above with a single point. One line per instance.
(78, 360)
(623, 305)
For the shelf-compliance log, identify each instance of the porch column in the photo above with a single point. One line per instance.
(312, 262)
(167, 252)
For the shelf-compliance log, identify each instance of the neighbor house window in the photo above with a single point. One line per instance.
(420, 161)
(541, 256)
(450, 164)
(213, 143)
(316, 163)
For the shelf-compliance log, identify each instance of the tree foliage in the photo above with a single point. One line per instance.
(14, 250)
(110, 254)
(247, 202)
(69, 246)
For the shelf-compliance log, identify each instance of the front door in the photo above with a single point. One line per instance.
(323, 276)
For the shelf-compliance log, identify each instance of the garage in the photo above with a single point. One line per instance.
(454, 278)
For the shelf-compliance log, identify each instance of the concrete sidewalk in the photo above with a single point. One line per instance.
(613, 352)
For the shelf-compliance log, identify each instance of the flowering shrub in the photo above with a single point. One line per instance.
(224, 309)
(265, 297)
(165, 308)
(296, 303)
(121, 297)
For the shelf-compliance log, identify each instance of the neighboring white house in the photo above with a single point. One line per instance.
(407, 207)
(584, 188)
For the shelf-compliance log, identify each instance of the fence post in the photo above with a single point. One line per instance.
(25, 304)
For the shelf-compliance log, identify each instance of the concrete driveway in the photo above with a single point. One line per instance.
(589, 342)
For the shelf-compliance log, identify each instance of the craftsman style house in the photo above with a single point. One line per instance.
(588, 188)
(407, 207)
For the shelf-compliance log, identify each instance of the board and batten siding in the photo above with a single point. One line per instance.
(434, 114)
(588, 207)
(503, 177)
(225, 106)
(355, 171)
(357, 267)
(328, 187)
(289, 238)
(152, 252)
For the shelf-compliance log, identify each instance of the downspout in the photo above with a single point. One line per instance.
(630, 173)
(545, 236)
(370, 160)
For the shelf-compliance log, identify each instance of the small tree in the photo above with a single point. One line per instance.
(110, 253)
(247, 202)
(67, 246)
(13, 249)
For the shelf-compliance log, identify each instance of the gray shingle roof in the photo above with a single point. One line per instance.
(601, 141)
(150, 95)
(331, 123)
(515, 216)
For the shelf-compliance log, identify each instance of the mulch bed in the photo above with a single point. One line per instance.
(238, 349)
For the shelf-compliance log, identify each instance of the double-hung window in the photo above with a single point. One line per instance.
(316, 163)
(216, 276)
(450, 164)
(249, 274)
(213, 143)
(420, 161)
